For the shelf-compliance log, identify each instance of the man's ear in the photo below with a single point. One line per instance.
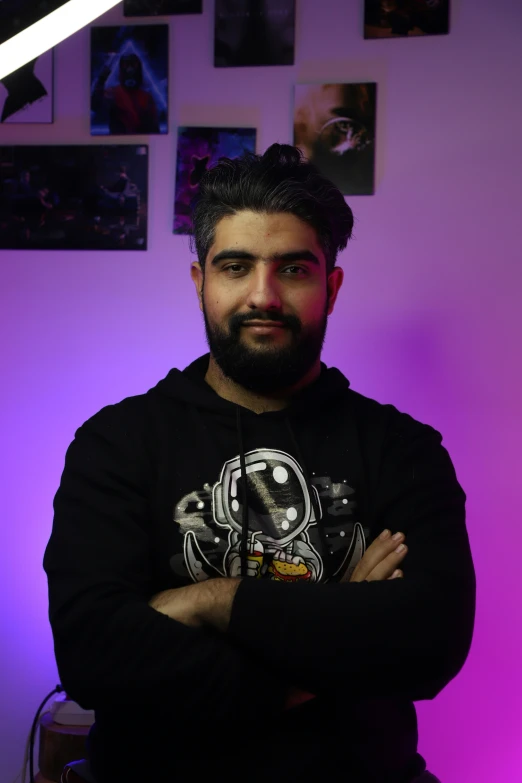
(335, 281)
(197, 275)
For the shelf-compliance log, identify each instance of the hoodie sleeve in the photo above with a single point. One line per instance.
(111, 647)
(406, 637)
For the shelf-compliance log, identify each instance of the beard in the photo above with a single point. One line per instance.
(265, 368)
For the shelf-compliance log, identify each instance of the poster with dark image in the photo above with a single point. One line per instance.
(18, 15)
(129, 74)
(26, 95)
(401, 18)
(334, 127)
(198, 150)
(89, 197)
(161, 7)
(254, 32)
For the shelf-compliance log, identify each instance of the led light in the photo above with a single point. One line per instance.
(49, 31)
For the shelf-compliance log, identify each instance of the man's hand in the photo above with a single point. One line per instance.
(203, 603)
(379, 562)
(381, 559)
(210, 603)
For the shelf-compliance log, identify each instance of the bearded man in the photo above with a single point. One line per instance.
(254, 571)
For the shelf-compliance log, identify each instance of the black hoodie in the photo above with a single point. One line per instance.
(152, 497)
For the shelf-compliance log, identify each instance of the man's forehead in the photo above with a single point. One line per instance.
(253, 230)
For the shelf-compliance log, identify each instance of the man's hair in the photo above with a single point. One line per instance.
(281, 180)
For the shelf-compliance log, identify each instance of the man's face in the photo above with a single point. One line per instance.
(266, 298)
(130, 71)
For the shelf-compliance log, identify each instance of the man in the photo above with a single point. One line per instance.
(225, 588)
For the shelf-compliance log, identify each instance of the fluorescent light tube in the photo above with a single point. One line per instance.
(49, 31)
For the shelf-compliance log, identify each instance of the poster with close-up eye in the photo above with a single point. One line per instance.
(254, 32)
(403, 18)
(198, 150)
(334, 127)
(26, 95)
(161, 7)
(88, 197)
(129, 80)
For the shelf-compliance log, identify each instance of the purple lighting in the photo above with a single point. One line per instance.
(429, 319)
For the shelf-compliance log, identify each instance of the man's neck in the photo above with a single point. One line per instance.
(259, 403)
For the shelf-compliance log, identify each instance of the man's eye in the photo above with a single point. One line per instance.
(294, 270)
(233, 268)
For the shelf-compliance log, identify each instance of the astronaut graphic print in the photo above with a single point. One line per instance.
(284, 541)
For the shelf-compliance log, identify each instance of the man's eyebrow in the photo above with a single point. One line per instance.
(245, 255)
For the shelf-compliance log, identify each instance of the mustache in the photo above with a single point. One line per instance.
(291, 322)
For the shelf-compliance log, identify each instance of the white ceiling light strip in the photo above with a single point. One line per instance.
(49, 31)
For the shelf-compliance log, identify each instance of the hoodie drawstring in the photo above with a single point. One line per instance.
(244, 497)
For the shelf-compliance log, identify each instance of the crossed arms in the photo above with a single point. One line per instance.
(201, 645)
(209, 603)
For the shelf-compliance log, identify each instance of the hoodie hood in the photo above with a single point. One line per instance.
(189, 386)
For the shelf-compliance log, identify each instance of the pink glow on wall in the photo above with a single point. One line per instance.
(429, 319)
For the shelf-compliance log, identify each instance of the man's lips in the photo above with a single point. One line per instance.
(271, 324)
(264, 327)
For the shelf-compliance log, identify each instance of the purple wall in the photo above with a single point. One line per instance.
(429, 319)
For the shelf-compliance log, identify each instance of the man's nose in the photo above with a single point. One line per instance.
(264, 291)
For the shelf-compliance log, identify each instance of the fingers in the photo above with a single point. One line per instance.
(397, 574)
(388, 566)
(382, 557)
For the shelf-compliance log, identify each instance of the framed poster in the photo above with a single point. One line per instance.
(334, 127)
(26, 95)
(16, 16)
(161, 7)
(254, 32)
(129, 80)
(89, 197)
(198, 150)
(403, 18)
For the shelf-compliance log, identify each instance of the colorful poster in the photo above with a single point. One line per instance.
(129, 80)
(198, 150)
